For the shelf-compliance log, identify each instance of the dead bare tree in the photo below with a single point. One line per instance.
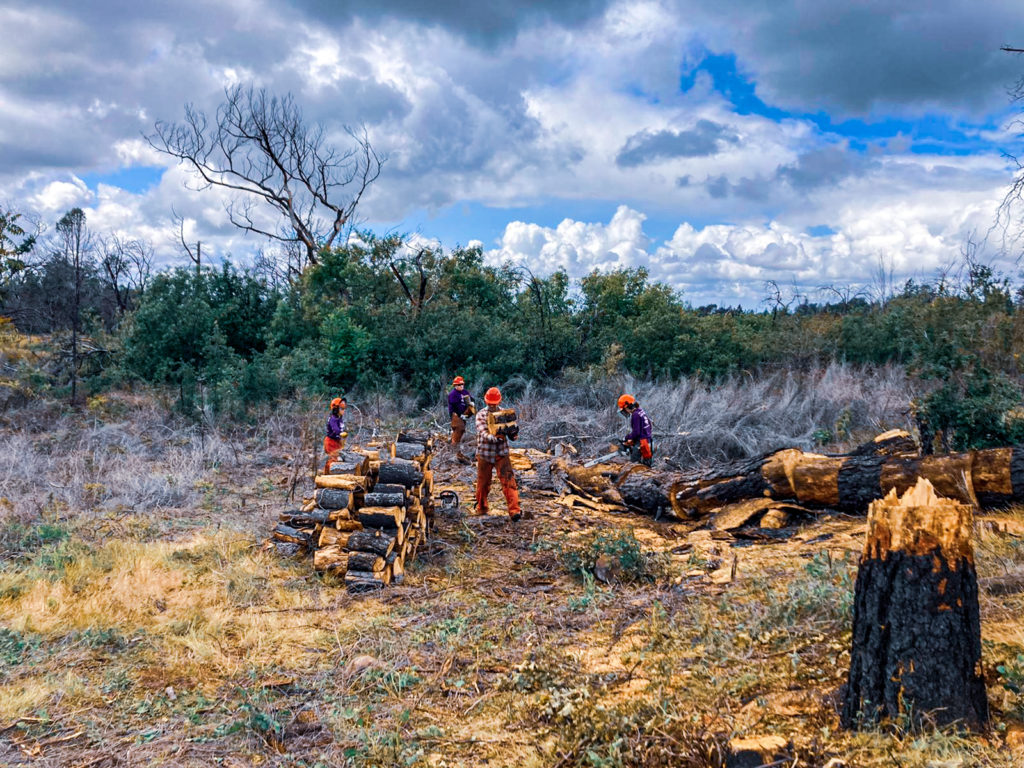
(76, 245)
(195, 256)
(127, 264)
(260, 146)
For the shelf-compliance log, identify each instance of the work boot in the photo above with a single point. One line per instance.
(516, 517)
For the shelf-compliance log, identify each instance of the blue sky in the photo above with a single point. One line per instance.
(718, 147)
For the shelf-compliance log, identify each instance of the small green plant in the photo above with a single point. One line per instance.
(12, 647)
(618, 552)
(1011, 675)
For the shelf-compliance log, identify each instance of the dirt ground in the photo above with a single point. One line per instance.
(177, 638)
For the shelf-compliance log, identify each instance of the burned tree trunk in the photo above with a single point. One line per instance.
(916, 650)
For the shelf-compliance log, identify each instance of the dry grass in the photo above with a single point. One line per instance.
(697, 422)
(169, 636)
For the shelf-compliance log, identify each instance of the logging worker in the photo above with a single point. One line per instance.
(492, 454)
(460, 405)
(334, 440)
(640, 439)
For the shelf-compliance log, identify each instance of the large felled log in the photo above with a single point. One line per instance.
(916, 647)
(343, 482)
(376, 541)
(401, 472)
(381, 517)
(989, 477)
(376, 499)
(333, 498)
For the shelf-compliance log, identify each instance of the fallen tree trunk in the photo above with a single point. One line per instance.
(989, 477)
(916, 646)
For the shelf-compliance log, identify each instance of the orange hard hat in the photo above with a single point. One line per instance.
(492, 396)
(338, 402)
(625, 400)
(459, 380)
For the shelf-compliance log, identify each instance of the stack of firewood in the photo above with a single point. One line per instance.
(369, 514)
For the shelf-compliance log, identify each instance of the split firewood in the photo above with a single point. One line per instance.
(348, 525)
(331, 559)
(916, 646)
(397, 566)
(330, 537)
(292, 535)
(342, 482)
(309, 506)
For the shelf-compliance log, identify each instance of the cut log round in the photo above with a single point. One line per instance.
(389, 488)
(332, 559)
(333, 537)
(378, 542)
(375, 499)
(348, 525)
(332, 498)
(402, 472)
(409, 451)
(416, 436)
(916, 646)
(348, 467)
(342, 482)
(381, 517)
(365, 561)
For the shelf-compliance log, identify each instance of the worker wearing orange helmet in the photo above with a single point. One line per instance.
(334, 440)
(640, 439)
(492, 454)
(460, 405)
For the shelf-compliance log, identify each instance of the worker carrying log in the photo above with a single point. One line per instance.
(460, 407)
(492, 454)
(640, 440)
(334, 440)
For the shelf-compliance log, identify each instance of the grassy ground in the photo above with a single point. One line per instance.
(144, 622)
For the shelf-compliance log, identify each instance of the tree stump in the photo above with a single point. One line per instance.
(916, 651)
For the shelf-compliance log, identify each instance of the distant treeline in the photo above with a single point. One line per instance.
(379, 316)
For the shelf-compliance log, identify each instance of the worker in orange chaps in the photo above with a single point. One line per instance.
(492, 454)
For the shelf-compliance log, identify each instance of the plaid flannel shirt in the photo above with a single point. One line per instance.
(488, 447)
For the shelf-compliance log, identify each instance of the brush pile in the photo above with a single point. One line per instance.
(368, 515)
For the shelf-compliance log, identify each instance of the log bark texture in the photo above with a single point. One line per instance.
(409, 451)
(389, 488)
(916, 647)
(365, 561)
(400, 472)
(380, 517)
(377, 499)
(333, 498)
(378, 542)
(342, 482)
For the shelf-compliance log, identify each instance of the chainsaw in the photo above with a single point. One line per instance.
(620, 448)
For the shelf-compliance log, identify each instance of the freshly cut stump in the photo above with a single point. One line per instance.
(916, 651)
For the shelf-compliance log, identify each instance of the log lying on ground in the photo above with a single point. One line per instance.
(291, 535)
(401, 472)
(989, 477)
(916, 646)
